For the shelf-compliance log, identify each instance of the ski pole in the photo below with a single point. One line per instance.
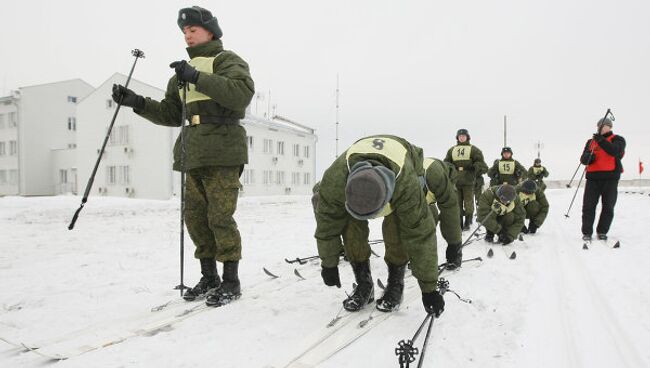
(480, 224)
(574, 175)
(137, 54)
(183, 85)
(584, 171)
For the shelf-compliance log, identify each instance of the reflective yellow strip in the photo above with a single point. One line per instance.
(427, 162)
(204, 65)
(387, 147)
(537, 170)
(461, 152)
(430, 197)
(506, 167)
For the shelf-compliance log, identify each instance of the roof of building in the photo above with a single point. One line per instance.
(279, 122)
(109, 79)
(58, 82)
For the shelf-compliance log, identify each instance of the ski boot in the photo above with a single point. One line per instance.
(230, 288)
(468, 222)
(532, 228)
(209, 280)
(601, 236)
(586, 237)
(364, 293)
(392, 297)
(489, 236)
(524, 229)
(454, 256)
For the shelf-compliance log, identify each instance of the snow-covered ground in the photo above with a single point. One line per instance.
(556, 305)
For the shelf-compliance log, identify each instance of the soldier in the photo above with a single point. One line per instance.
(506, 170)
(602, 155)
(378, 176)
(479, 183)
(538, 172)
(468, 160)
(441, 193)
(534, 201)
(220, 88)
(502, 213)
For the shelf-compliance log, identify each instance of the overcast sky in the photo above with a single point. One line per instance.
(418, 69)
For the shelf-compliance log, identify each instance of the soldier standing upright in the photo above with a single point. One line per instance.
(538, 172)
(219, 90)
(506, 170)
(469, 162)
(378, 176)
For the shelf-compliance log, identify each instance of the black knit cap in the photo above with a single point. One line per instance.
(506, 193)
(368, 189)
(462, 132)
(529, 186)
(198, 16)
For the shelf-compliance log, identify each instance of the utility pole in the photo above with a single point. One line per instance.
(539, 147)
(505, 131)
(336, 152)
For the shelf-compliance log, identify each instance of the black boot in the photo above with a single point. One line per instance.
(489, 236)
(468, 222)
(524, 229)
(454, 256)
(392, 297)
(230, 288)
(364, 293)
(209, 280)
(532, 228)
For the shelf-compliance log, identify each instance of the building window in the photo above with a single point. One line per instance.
(295, 178)
(63, 176)
(111, 175)
(72, 124)
(2, 121)
(249, 143)
(280, 148)
(306, 152)
(268, 146)
(248, 177)
(13, 122)
(72, 99)
(124, 175)
(119, 136)
(13, 148)
(3, 148)
(13, 177)
(110, 103)
(279, 177)
(3, 177)
(307, 179)
(268, 178)
(296, 150)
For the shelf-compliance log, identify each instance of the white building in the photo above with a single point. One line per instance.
(51, 135)
(37, 138)
(137, 161)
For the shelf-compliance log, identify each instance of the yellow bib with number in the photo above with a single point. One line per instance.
(527, 198)
(204, 65)
(387, 147)
(506, 167)
(503, 209)
(537, 170)
(461, 153)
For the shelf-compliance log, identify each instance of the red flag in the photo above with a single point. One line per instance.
(640, 167)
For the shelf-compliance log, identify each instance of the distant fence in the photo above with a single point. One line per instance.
(556, 184)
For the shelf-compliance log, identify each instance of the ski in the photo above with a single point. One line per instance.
(295, 272)
(273, 276)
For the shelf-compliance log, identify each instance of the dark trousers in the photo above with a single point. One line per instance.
(606, 189)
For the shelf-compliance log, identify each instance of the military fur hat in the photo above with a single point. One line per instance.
(506, 193)
(506, 149)
(462, 132)
(529, 186)
(198, 16)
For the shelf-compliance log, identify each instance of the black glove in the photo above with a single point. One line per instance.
(128, 97)
(433, 303)
(505, 239)
(532, 228)
(598, 138)
(185, 72)
(330, 276)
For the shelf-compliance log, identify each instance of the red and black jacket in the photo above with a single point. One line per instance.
(605, 161)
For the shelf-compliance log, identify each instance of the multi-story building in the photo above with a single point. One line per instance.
(38, 129)
(51, 135)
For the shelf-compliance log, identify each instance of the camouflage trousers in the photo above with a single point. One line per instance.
(210, 201)
(533, 213)
(466, 199)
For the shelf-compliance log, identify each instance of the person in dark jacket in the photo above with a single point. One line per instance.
(219, 87)
(602, 155)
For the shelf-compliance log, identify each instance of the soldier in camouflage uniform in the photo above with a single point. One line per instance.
(468, 160)
(506, 170)
(378, 176)
(219, 90)
(502, 213)
(534, 201)
(441, 194)
(538, 172)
